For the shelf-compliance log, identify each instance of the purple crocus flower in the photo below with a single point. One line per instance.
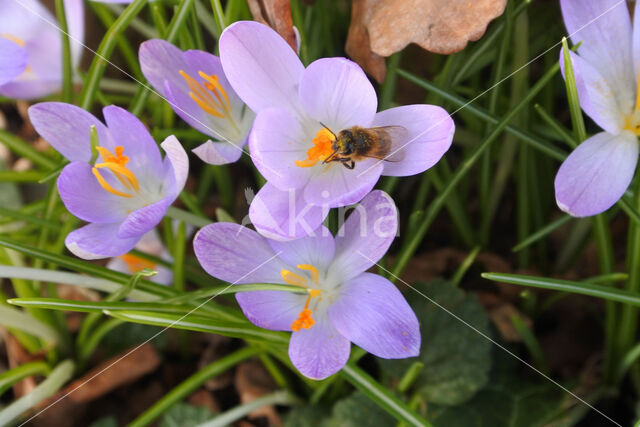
(125, 191)
(606, 68)
(298, 112)
(194, 84)
(342, 303)
(31, 47)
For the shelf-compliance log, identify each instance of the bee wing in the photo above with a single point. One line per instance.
(391, 141)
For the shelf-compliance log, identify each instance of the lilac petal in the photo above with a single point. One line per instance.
(604, 28)
(430, 133)
(272, 310)
(85, 198)
(23, 19)
(218, 153)
(67, 128)
(596, 173)
(261, 66)
(284, 215)
(13, 60)
(74, 12)
(365, 237)
(334, 185)
(276, 142)
(320, 351)
(595, 95)
(176, 166)
(317, 249)
(188, 110)
(129, 132)
(372, 313)
(636, 37)
(336, 92)
(199, 60)
(95, 241)
(236, 254)
(144, 219)
(161, 61)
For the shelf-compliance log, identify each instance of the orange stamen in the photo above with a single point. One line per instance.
(117, 165)
(321, 149)
(16, 40)
(305, 319)
(136, 263)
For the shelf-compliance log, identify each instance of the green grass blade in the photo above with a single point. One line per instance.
(280, 397)
(381, 396)
(17, 319)
(12, 376)
(582, 288)
(188, 386)
(543, 232)
(23, 149)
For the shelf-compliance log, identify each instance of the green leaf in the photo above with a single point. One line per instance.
(456, 358)
(202, 324)
(583, 288)
(307, 416)
(522, 403)
(109, 421)
(185, 415)
(358, 410)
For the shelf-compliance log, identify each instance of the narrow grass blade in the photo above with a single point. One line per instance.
(281, 397)
(582, 288)
(17, 319)
(59, 376)
(12, 376)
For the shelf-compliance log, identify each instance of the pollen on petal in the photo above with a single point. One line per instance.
(321, 150)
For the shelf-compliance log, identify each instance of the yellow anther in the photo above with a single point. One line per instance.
(321, 149)
(293, 279)
(117, 165)
(213, 84)
(16, 40)
(312, 269)
(106, 185)
(220, 106)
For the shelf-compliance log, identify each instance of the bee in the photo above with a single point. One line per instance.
(356, 143)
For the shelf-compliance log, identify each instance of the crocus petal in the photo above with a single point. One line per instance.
(161, 61)
(13, 60)
(95, 241)
(320, 351)
(199, 60)
(276, 142)
(334, 185)
(430, 133)
(336, 92)
(261, 66)
(237, 254)
(25, 18)
(67, 128)
(595, 95)
(218, 153)
(129, 132)
(176, 166)
(366, 236)
(596, 173)
(74, 12)
(372, 313)
(604, 28)
(317, 249)
(144, 219)
(284, 215)
(636, 37)
(273, 310)
(85, 198)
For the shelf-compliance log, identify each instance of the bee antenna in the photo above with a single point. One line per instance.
(327, 128)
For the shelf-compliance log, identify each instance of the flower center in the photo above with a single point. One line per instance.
(305, 319)
(137, 264)
(322, 149)
(210, 95)
(632, 123)
(116, 164)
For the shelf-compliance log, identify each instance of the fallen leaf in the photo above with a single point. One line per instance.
(439, 26)
(277, 15)
(253, 381)
(358, 46)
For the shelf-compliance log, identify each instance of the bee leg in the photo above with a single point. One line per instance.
(346, 164)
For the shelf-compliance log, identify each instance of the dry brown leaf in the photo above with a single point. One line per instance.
(253, 381)
(439, 26)
(277, 15)
(358, 47)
